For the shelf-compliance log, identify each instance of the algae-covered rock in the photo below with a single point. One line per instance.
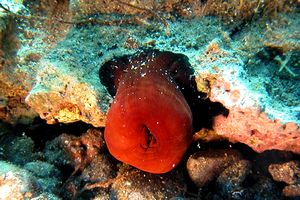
(18, 150)
(61, 95)
(17, 183)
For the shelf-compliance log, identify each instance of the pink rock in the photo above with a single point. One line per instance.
(246, 123)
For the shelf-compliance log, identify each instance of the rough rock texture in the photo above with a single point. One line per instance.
(100, 176)
(97, 175)
(229, 10)
(230, 181)
(140, 185)
(17, 183)
(58, 95)
(229, 176)
(291, 191)
(288, 173)
(100, 172)
(18, 149)
(257, 117)
(23, 43)
(23, 171)
(205, 166)
(12, 101)
(53, 58)
(78, 152)
(47, 175)
(264, 188)
(82, 150)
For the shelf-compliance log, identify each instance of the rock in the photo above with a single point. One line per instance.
(47, 196)
(255, 118)
(205, 166)
(42, 169)
(291, 191)
(50, 67)
(18, 150)
(60, 96)
(135, 184)
(21, 39)
(48, 177)
(240, 10)
(55, 154)
(283, 37)
(256, 130)
(3, 102)
(13, 108)
(83, 160)
(230, 181)
(102, 179)
(262, 161)
(288, 172)
(17, 183)
(100, 170)
(78, 152)
(265, 188)
(244, 180)
(262, 101)
(82, 150)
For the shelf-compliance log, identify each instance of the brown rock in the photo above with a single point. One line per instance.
(82, 150)
(205, 166)
(291, 191)
(136, 184)
(288, 172)
(13, 108)
(100, 169)
(99, 172)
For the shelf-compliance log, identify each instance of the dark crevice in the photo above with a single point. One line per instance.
(237, 28)
(41, 132)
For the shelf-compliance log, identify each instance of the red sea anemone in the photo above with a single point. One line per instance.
(149, 124)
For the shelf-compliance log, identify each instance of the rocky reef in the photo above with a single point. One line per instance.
(244, 56)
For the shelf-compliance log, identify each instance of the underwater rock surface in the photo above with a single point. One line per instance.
(288, 173)
(19, 183)
(203, 167)
(64, 86)
(244, 54)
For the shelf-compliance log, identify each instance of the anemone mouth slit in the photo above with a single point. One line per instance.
(151, 141)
